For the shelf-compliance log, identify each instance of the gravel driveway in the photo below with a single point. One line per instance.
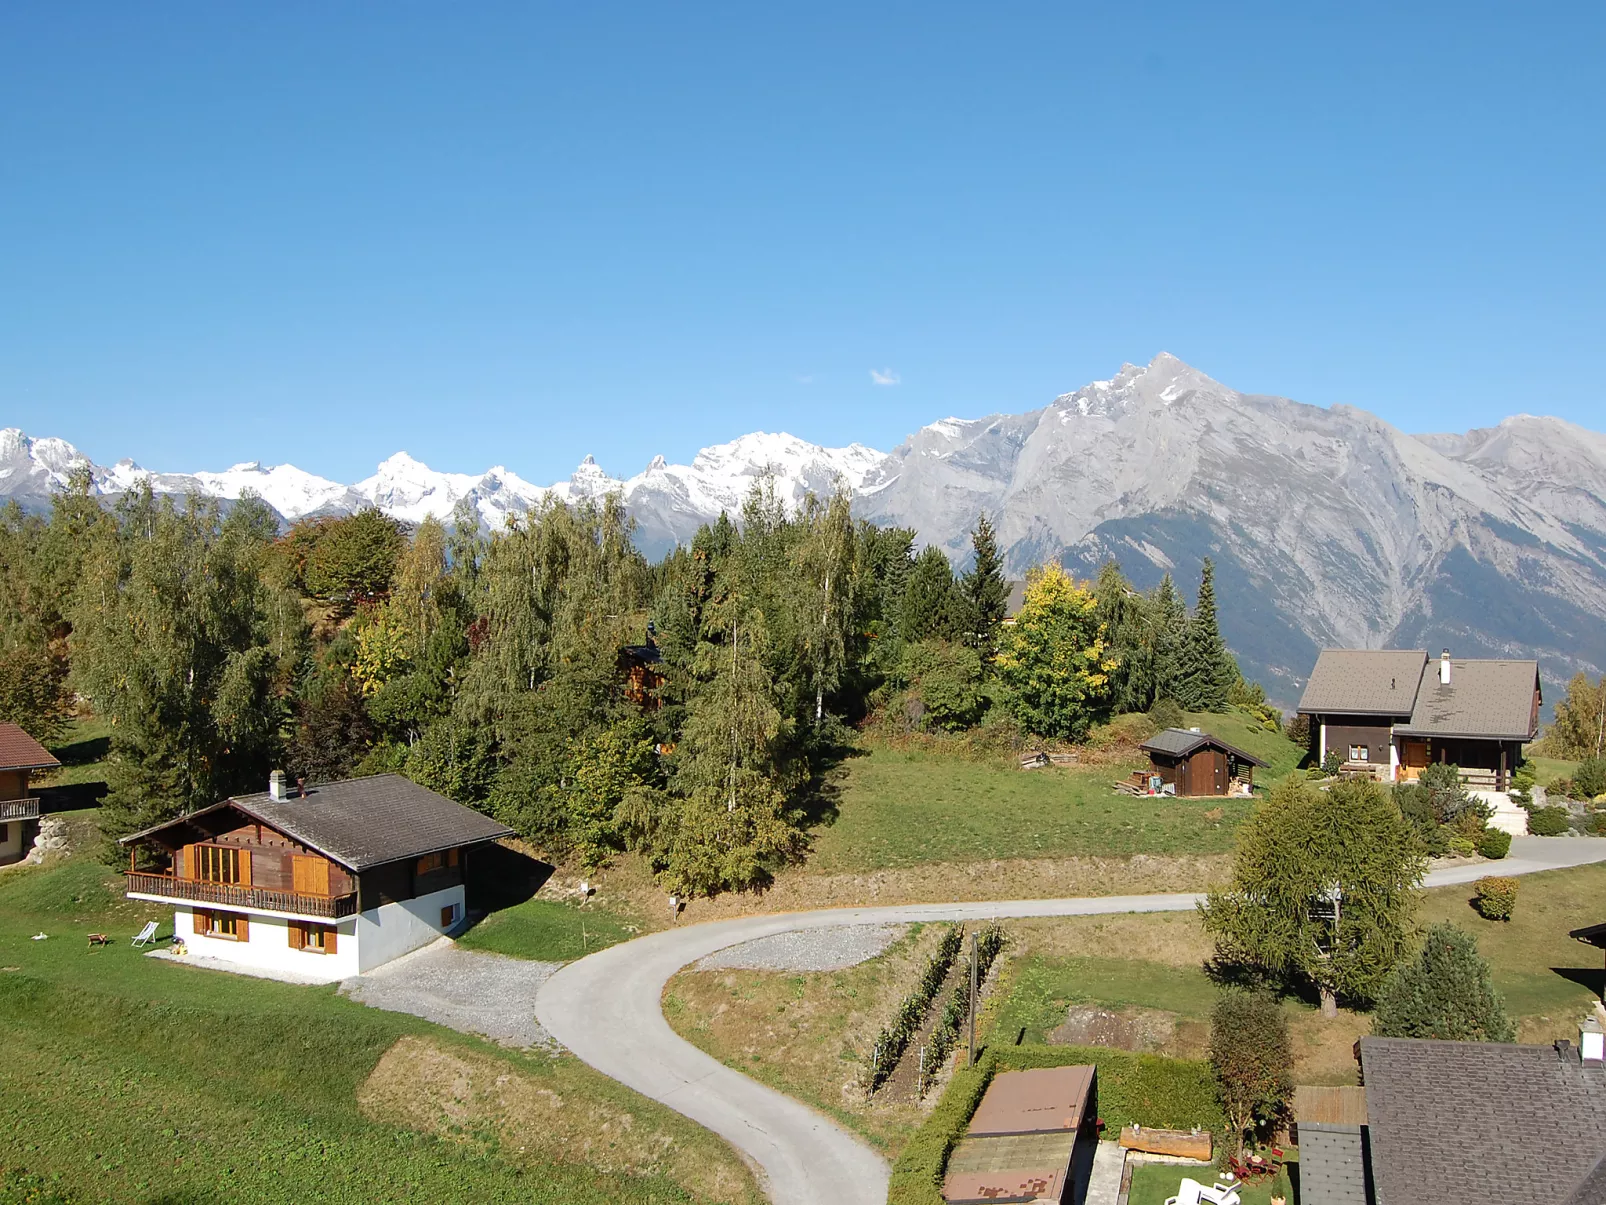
(834, 949)
(491, 995)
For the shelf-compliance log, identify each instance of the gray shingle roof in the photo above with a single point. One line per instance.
(365, 822)
(1489, 699)
(1453, 1122)
(1591, 1189)
(1179, 742)
(1364, 682)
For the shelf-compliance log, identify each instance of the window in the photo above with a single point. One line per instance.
(217, 863)
(229, 926)
(313, 938)
(1359, 753)
(431, 862)
(448, 916)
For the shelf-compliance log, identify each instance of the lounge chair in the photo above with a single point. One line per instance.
(1192, 1192)
(145, 935)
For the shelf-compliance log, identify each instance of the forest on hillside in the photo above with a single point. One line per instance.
(548, 674)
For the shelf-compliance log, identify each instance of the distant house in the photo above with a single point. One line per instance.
(20, 756)
(1394, 712)
(1031, 1140)
(330, 882)
(642, 667)
(1195, 763)
(1443, 1123)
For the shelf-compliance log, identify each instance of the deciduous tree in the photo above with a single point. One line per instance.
(1053, 661)
(1253, 1061)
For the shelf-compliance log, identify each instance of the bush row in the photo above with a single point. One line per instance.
(894, 1038)
(917, 1175)
(988, 943)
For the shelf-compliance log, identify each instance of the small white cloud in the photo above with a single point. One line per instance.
(885, 377)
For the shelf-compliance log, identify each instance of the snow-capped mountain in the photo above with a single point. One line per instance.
(1327, 526)
(669, 501)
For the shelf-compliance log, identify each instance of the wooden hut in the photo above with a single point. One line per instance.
(1195, 763)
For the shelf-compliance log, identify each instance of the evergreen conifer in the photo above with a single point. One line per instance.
(1444, 992)
(1206, 670)
(984, 590)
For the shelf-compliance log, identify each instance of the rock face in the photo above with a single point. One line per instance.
(1328, 527)
(50, 840)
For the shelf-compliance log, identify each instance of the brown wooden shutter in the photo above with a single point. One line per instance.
(242, 931)
(451, 857)
(245, 868)
(329, 940)
(309, 875)
(298, 936)
(189, 862)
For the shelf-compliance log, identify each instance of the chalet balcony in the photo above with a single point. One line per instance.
(18, 809)
(245, 899)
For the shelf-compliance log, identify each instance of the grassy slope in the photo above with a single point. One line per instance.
(548, 931)
(900, 808)
(135, 1080)
(82, 753)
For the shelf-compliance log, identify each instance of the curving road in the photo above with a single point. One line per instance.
(607, 1009)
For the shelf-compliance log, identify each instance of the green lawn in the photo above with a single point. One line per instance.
(1153, 1183)
(1541, 971)
(82, 753)
(131, 1080)
(905, 807)
(1042, 989)
(548, 931)
(1548, 769)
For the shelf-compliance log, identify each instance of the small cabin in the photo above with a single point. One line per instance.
(1188, 762)
(20, 756)
(1031, 1140)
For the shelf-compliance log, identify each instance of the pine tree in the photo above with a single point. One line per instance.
(984, 591)
(928, 598)
(1445, 992)
(1129, 630)
(1206, 669)
(1168, 623)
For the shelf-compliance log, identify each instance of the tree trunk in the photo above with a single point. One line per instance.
(1329, 1003)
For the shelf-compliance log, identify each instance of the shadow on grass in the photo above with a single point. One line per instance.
(1594, 978)
(499, 877)
(83, 752)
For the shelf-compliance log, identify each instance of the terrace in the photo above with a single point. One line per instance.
(148, 885)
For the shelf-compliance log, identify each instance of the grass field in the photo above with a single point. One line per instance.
(905, 807)
(82, 753)
(548, 931)
(1153, 1183)
(131, 1080)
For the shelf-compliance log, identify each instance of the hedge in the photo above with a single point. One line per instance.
(1144, 1088)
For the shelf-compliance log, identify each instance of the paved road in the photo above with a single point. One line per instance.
(607, 1009)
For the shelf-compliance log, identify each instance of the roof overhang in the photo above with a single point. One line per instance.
(1407, 730)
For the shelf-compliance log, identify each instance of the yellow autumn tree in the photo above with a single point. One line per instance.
(1054, 661)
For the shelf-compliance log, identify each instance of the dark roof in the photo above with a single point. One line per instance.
(1492, 700)
(1591, 1189)
(1595, 935)
(1364, 682)
(1481, 1121)
(19, 751)
(363, 822)
(1179, 742)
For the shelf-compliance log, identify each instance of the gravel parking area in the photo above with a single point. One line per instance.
(833, 949)
(491, 995)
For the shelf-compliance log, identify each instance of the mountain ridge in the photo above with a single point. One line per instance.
(1328, 525)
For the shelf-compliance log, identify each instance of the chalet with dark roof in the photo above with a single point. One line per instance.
(20, 757)
(1393, 712)
(327, 881)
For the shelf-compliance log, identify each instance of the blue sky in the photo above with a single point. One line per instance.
(521, 233)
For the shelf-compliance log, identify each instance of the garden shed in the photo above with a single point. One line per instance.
(1194, 763)
(1030, 1142)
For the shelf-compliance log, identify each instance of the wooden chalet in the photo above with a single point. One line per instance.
(642, 667)
(1194, 763)
(20, 757)
(1391, 713)
(355, 872)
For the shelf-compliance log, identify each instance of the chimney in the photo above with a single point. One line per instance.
(276, 785)
(1591, 1041)
(1444, 668)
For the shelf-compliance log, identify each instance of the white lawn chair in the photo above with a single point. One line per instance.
(1191, 1192)
(145, 935)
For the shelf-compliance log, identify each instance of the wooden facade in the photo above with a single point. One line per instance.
(1197, 764)
(20, 757)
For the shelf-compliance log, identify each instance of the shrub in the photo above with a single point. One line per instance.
(1561, 788)
(1548, 822)
(1253, 1062)
(1497, 897)
(944, 684)
(1444, 993)
(1297, 730)
(1462, 847)
(1590, 777)
(1333, 762)
(1524, 777)
(1494, 843)
(1167, 713)
(1597, 823)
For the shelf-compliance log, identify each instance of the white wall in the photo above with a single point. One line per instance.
(394, 929)
(11, 843)
(267, 946)
(1508, 817)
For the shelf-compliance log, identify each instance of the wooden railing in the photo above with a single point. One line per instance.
(229, 895)
(19, 809)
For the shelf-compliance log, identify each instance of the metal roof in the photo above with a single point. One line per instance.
(19, 751)
(1490, 700)
(1033, 1102)
(1453, 1122)
(1364, 682)
(1179, 742)
(362, 822)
